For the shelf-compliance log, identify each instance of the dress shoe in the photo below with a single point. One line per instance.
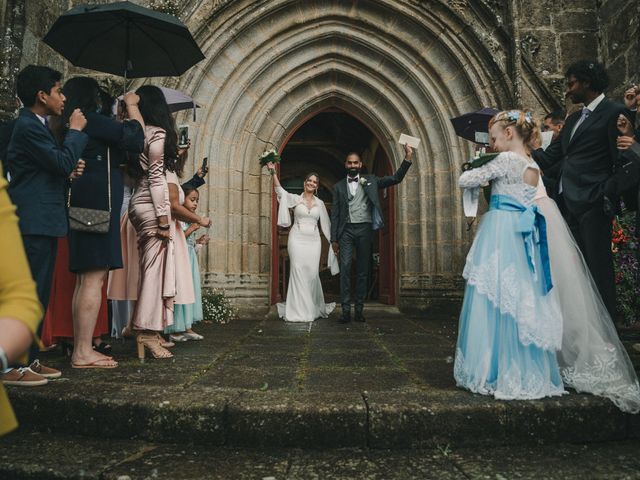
(360, 317)
(344, 318)
(23, 377)
(43, 371)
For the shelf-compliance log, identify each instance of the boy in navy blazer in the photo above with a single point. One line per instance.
(39, 170)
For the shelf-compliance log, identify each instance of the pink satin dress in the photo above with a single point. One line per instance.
(184, 279)
(157, 282)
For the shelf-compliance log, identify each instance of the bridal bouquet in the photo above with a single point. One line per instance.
(270, 156)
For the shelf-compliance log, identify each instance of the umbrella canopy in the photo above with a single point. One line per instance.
(474, 126)
(176, 100)
(123, 38)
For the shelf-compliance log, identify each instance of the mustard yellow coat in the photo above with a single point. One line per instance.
(18, 298)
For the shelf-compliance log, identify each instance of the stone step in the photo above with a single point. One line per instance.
(27, 455)
(383, 420)
(387, 383)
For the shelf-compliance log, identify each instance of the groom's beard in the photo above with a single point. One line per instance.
(352, 172)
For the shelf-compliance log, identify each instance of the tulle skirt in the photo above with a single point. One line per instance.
(592, 358)
(509, 329)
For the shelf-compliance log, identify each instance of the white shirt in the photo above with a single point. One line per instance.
(42, 119)
(353, 186)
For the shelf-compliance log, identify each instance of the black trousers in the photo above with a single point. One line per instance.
(358, 236)
(41, 255)
(592, 231)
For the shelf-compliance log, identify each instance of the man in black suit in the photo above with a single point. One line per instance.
(355, 214)
(586, 150)
(40, 169)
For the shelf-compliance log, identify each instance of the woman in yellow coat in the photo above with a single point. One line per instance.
(20, 310)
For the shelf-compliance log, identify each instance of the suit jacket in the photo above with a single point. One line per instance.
(629, 181)
(195, 182)
(587, 160)
(340, 207)
(39, 171)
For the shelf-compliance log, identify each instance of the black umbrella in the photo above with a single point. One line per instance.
(123, 38)
(474, 126)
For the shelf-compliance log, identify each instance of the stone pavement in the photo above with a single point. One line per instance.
(382, 392)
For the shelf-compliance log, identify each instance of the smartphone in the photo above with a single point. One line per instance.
(183, 136)
(205, 168)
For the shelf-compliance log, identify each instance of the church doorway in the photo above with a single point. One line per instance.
(320, 144)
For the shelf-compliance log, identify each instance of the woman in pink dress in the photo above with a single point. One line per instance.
(150, 215)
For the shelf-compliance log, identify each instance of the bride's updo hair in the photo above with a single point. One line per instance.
(523, 122)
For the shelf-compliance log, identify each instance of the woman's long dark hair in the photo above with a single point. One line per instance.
(155, 111)
(82, 93)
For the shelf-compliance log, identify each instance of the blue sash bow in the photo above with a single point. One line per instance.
(533, 227)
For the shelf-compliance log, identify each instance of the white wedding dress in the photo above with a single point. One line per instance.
(592, 358)
(305, 299)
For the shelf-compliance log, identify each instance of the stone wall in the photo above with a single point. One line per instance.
(553, 34)
(620, 42)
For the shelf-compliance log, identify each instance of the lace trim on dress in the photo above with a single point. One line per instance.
(605, 377)
(510, 385)
(539, 324)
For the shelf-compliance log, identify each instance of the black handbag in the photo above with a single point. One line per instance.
(91, 220)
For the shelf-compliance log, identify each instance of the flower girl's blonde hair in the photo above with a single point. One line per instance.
(523, 122)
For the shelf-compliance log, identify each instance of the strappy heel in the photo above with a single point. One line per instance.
(150, 341)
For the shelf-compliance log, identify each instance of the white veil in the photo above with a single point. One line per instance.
(592, 358)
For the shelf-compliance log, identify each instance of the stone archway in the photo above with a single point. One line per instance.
(392, 64)
(320, 144)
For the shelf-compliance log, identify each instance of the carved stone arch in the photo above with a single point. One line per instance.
(393, 65)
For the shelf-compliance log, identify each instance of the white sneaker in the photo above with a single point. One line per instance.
(193, 336)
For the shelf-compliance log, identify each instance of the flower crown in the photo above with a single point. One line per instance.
(514, 116)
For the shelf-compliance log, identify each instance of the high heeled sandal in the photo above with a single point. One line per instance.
(151, 342)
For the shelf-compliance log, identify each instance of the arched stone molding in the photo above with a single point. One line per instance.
(393, 65)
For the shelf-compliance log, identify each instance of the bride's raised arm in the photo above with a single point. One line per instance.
(287, 200)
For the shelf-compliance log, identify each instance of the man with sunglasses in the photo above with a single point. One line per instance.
(586, 151)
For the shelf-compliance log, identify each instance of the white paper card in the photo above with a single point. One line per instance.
(546, 139)
(482, 137)
(413, 142)
(470, 197)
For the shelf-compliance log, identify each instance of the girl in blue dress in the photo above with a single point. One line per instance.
(510, 325)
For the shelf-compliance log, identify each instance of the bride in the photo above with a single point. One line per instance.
(305, 300)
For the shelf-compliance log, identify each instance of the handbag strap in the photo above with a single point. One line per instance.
(109, 176)
(108, 182)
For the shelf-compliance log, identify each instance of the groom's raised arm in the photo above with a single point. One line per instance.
(384, 182)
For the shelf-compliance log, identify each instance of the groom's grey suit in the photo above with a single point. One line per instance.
(353, 220)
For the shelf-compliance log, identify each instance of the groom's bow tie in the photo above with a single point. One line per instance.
(352, 179)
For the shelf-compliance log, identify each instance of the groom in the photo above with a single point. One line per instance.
(355, 214)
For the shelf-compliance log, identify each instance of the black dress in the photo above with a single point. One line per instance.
(94, 251)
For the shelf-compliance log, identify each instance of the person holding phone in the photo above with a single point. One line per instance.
(198, 179)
